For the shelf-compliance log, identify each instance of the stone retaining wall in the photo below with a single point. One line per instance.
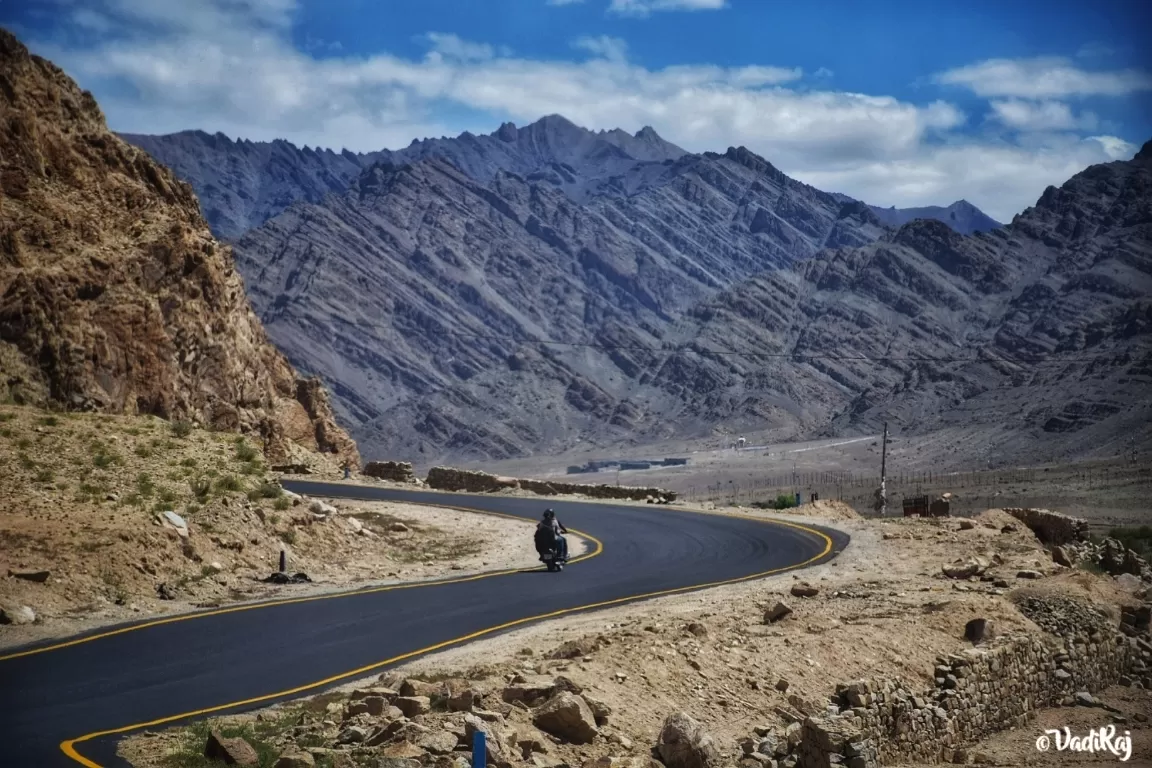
(1050, 527)
(977, 692)
(447, 479)
(396, 471)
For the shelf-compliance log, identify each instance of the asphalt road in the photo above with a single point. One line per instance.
(61, 698)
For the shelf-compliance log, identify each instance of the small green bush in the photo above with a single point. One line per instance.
(245, 452)
(282, 503)
(143, 451)
(229, 483)
(49, 421)
(181, 429)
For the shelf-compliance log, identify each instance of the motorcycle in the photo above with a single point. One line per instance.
(551, 558)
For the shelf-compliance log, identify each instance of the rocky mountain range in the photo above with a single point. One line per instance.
(424, 295)
(114, 296)
(961, 216)
(241, 184)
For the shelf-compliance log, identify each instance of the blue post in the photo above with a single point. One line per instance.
(479, 750)
(797, 498)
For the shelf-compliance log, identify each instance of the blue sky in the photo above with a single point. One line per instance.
(898, 103)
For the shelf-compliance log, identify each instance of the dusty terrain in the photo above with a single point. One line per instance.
(883, 609)
(1106, 492)
(80, 498)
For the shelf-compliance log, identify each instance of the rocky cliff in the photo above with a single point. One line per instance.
(113, 294)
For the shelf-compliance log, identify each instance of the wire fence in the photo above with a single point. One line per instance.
(973, 490)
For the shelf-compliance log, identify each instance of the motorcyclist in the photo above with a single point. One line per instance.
(549, 534)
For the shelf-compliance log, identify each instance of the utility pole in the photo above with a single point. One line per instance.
(884, 474)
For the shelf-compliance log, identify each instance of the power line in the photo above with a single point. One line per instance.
(773, 355)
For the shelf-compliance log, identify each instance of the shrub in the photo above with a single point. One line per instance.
(49, 421)
(181, 429)
(229, 483)
(188, 462)
(288, 537)
(282, 503)
(144, 484)
(245, 452)
(45, 476)
(143, 451)
(104, 459)
(26, 462)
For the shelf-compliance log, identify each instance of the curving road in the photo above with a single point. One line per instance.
(67, 704)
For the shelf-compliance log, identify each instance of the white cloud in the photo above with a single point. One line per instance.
(1043, 78)
(644, 8)
(564, 2)
(605, 47)
(221, 65)
(453, 47)
(823, 72)
(1115, 148)
(1041, 116)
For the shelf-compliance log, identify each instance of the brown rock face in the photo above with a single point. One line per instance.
(114, 295)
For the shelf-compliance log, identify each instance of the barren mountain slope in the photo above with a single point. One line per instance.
(385, 291)
(241, 184)
(113, 294)
(1054, 311)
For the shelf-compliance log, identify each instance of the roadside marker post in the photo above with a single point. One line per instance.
(479, 750)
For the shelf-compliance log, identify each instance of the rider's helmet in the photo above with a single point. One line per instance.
(549, 514)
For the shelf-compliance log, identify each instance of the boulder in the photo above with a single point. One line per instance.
(978, 630)
(353, 734)
(234, 751)
(172, 520)
(600, 711)
(804, 589)
(1029, 575)
(529, 693)
(683, 743)
(318, 507)
(567, 716)
(964, 569)
(1063, 556)
(776, 612)
(413, 705)
(369, 705)
(295, 760)
(412, 687)
(967, 525)
(437, 742)
(463, 700)
(496, 749)
(17, 614)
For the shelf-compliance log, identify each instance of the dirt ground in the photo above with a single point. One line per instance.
(1106, 492)
(883, 610)
(80, 498)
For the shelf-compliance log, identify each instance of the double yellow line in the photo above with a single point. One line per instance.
(69, 746)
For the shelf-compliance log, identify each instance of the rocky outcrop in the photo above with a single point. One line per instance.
(446, 479)
(114, 295)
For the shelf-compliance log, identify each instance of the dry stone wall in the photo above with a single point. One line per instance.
(976, 693)
(1052, 528)
(446, 479)
(395, 471)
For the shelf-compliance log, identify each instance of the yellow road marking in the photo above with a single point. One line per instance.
(68, 747)
(598, 549)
